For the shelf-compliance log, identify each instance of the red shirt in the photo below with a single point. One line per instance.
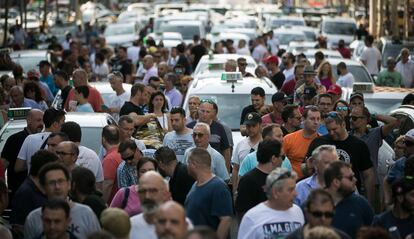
(345, 52)
(110, 165)
(288, 87)
(94, 98)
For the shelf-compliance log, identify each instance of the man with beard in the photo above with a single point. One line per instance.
(401, 215)
(352, 211)
(171, 222)
(152, 192)
(257, 96)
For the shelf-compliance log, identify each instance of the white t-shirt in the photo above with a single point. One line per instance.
(371, 55)
(258, 53)
(117, 101)
(346, 80)
(141, 229)
(289, 73)
(133, 53)
(407, 72)
(179, 143)
(87, 158)
(102, 70)
(241, 150)
(274, 45)
(243, 51)
(83, 223)
(31, 145)
(263, 222)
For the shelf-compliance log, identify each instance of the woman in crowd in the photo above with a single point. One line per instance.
(158, 106)
(325, 74)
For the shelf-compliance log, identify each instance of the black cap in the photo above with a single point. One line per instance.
(357, 95)
(309, 92)
(403, 186)
(278, 96)
(252, 119)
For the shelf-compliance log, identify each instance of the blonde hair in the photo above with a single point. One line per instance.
(321, 232)
(116, 222)
(330, 73)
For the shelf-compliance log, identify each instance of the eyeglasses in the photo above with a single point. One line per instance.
(199, 135)
(408, 143)
(56, 182)
(355, 118)
(342, 108)
(350, 177)
(322, 214)
(63, 153)
(128, 158)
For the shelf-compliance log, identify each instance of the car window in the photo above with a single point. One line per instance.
(382, 106)
(279, 23)
(119, 30)
(230, 107)
(186, 31)
(285, 39)
(359, 73)
(91, 138)
(339, 28)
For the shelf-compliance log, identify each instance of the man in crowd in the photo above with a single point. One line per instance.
(180, 182)
(295, 145)
(123, 64)
(352, 211)
(288, 60)
(406, 67)
(127, 169)
(56, 219)
(46, 76)
(118, 99)
(292, 119)
(53, 120)
(371, 56)
(171, 92)
(61, 80)
(201, 135)
(279, 100)
(68, 154)
(350, 150)
(202, 205)
(278, 216)
(18, 100)
(257, 96)
(250, 189)
(345, 78)
(55, 180)
(180, 138)
(389, 76)
(149, 66)
(276, 76)
(171, 222)
(242, 64)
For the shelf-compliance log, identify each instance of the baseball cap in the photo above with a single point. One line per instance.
(271, 59)
(252, 119)
(309, 71)
(403, 186)
(33, 74)
(356, 95)
(278, 96)
(335, 89)
(309, 92)
(410, 134)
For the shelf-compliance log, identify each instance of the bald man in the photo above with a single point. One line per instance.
(170, 221)
(151, 70)
(80, 78)
(162, 69)
(12, 147)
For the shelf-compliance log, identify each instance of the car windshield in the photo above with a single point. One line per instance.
(230, 107)
(113, 30)
(390, 50)
(186, 31)
(382, 106)
(29, 63)
(279, 23)
(359, 73)
(6, 134)
(216, 67)
(310, 36)
(285, 39)
(339, 28)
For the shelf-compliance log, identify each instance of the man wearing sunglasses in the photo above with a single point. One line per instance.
(319, 211)
(278, 216)
(352, 211)
(127, 169)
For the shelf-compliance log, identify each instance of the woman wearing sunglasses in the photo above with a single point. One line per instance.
(342, 107)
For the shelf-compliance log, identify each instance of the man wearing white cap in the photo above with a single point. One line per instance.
(397, 170)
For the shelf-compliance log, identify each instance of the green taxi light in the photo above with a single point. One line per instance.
(231, 76)
(18, 113)
(363, 87)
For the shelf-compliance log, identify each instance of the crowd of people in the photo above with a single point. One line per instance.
(308, 166)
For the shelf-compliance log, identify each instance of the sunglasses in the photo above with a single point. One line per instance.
(408, 143)
(355, 118)
(129, 158)
(320, 214)
(342, 108)
(195, 135)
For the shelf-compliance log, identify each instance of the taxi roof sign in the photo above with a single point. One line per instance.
(18, 113)
(231, 76)
(363, 87)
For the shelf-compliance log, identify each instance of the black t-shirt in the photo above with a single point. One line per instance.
(96, 203)
(245, 111)
(198, 51)
(218, 137)
(351, 150)
(250, 191)
(129, 107)
(183, 61)
(387, 220)
(64, 94)
(180, 183)
(125, 67)
(278, 79)
(10, 151)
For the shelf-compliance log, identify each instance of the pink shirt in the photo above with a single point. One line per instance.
(270, 119)
(133, 206)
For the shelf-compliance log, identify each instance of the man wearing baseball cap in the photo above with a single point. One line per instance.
(335, 91)
(397, 170)
(279, 100)
(276, 76)
(357, 100)
(401, 217)
(309, 81)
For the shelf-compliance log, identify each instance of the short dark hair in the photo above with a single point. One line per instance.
(268, 130)
(56, 204)
(122, 48)
(178, 110)
(125, 118)
(369, 39)
(311, 108)
(319, 195)
(287, 112)
(111, 134)
(153, 78)
(319, 55)
(127, 144)
(84, 180)
(43, 63)
(165, 155)
(181, 48)
(72, 130)
(100, 56)
(62, 74)
(39, 159)
(50, 167)
(205, 232)
(325, 95)
(258, 91)
(266, 149)
(333, 171)
(83, 90)
(341, 65)
(145, 160)
(51, 116)
(62, 135)
(151, 105)
(137, 87)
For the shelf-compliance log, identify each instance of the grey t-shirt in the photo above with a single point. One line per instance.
(84, 222)
(179, 143)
